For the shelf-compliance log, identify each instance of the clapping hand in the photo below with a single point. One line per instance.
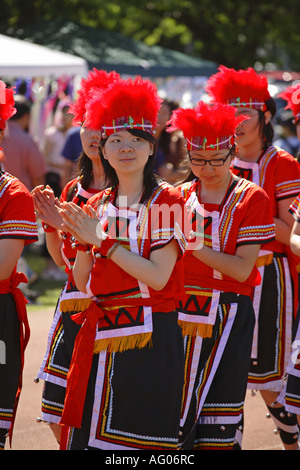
(46, 206)
(83, 223)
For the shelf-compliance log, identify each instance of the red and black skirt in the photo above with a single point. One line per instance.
(134, 397)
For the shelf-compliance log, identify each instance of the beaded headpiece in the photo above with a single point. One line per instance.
(7, 102)
(95, 80)
(292, 96)
(239, 88)
(207, 127)
(125, 104)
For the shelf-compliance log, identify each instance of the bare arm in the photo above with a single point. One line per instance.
(284, 222)
(47, 209)
(295, 239)
(54, 244)
(238, 266)
(10, 252)
(85, 227)
(82, 269)
(154, 272)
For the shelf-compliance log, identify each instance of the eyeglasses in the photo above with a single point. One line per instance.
(202, 161)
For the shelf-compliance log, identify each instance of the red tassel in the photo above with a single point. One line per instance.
(80, 367)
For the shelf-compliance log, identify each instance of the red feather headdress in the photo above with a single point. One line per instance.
(292, 96)
(132, 103)
(239, 88)
(7, 104)
(96, 79)
(207, 127)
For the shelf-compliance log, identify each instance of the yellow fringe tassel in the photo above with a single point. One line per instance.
(195, 329)
(264, 260)
(123, 343)
(74, 305)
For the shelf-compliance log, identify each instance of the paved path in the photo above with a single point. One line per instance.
(30, 435)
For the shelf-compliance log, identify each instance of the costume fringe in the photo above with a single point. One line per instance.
(74, 305)
(114, 344)
(123, 343)
(195, 329)
(264, 260)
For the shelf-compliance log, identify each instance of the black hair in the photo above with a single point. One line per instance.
(190, 175)
(151, 180)
(267, 130)
(165, 136)
(23, 107)
(84, 172)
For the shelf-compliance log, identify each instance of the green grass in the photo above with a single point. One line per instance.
(49, 290)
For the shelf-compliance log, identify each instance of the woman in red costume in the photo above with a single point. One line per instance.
(276, 298)
(90, 180)
(17, 229)
(290, 396)
(124, 387)
(230, 216)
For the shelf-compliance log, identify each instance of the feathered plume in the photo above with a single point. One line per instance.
(239, 87)
(7, 102)
(126, 103)
(96, 80)
(292, 96)
(207, 126)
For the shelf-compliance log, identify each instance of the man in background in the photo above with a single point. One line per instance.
(22, 157)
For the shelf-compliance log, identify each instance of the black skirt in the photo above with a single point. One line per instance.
(274, 326)
(215, 409)
(10, 358)
(134, 398)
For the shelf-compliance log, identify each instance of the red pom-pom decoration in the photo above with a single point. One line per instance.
(95, 80)
(292, 96)
(239, 88)
(7, 104)
(207, 127)
(126, 104)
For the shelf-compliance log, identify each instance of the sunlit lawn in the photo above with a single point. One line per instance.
(49, 290)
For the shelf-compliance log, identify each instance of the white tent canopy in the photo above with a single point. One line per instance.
(23, 59)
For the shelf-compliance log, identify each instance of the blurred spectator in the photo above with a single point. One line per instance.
(53, 144)
(287, 139)
(171, 152)
(22, 157)
(71, 152)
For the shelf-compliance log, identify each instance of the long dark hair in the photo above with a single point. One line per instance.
(267, 130)
(150, 181)
(165, 137)
(84, 171)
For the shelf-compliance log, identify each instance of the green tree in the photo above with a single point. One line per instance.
(232, 32)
